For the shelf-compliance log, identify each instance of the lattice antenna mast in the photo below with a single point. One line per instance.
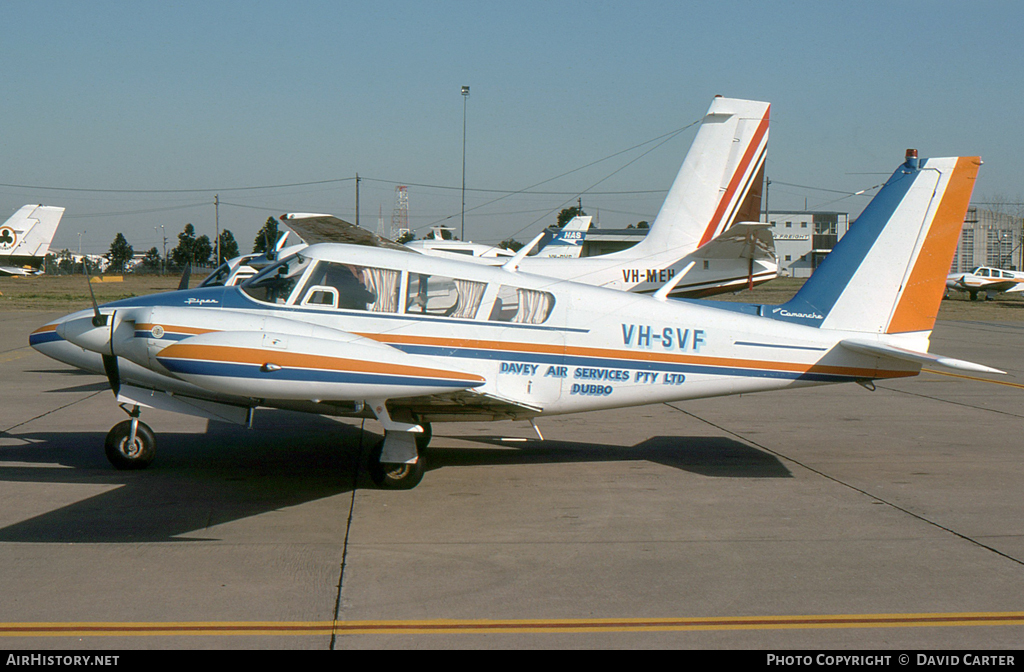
(400, 215)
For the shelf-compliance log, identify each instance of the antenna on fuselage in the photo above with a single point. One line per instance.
(512, 265)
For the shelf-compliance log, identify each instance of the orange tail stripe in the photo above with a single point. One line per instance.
(919, 305)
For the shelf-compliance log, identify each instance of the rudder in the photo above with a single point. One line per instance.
(887, 274)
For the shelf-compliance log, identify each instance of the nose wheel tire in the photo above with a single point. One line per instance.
(395, 476)
(125, 454)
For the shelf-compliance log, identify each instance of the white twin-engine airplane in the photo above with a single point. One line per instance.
(706, 231)
(411, 340)
(986, 280)
(25, 239)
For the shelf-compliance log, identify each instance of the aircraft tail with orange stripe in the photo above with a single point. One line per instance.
(887, 274)
(720, 181)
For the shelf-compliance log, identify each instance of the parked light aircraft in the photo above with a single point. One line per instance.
(237, 269)
(987, 280)
(411, 340)
(25, 239)
(442, 243)
(567, 243)
(695, 234)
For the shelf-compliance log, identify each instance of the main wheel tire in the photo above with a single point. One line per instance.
(423, 438)
(139, 454)
(392, 476)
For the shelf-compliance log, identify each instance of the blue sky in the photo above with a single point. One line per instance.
(135, 114)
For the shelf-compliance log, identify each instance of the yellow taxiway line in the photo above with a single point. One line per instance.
(529, 626)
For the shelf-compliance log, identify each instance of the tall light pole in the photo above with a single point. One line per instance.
(465, 97)
(216, 217)
(80, 250)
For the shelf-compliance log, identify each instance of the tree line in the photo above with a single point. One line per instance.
(197, 251)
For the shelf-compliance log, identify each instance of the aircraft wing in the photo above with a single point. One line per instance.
(315, 228)
(15, 270)
(458, 405)
(742, 240)
(883, 350)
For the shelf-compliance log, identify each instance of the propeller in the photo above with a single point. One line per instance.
(99, 320)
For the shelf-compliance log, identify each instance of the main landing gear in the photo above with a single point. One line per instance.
(397, 462)
(131, 444)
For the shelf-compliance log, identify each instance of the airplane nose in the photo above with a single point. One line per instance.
(85, 334)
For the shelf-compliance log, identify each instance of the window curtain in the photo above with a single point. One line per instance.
(384, 283)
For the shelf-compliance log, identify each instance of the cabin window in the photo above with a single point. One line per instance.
(522, 306)
(983, 272)
(275, 283)
(439, 295)
(336, 285)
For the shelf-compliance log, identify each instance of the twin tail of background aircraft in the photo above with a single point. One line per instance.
(25, 239)
(411, 340)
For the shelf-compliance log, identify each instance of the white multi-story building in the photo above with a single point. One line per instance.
(988, 239)
(802, 239)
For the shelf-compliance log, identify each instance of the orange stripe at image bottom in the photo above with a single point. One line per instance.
(539, 626)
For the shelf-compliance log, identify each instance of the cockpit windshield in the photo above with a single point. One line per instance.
(275, 283)
(218, 278)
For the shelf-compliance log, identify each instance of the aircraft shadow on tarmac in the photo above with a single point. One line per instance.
(228, 473)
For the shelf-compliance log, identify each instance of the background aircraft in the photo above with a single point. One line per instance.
(441, 242)
(568, 242)
(410, 339)
(718, 185)
(986, 279)
(25, 239)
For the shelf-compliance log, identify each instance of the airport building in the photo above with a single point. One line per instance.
(989, 239)
(802, 239)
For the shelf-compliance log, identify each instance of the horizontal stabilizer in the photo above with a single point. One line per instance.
(314, 228)
(743, 240)
(882, 350)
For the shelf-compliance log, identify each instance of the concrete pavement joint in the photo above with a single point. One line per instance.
(853, 487)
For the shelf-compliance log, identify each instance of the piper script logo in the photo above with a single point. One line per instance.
(8, 239)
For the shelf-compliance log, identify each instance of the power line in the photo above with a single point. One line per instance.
(175, 191)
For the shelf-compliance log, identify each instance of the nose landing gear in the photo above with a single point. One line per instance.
(131, 444)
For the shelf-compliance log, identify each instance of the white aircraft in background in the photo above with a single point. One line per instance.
(25, 239)
(441, 242)
(567, 243)
(987, 280)
(696, 234)
(238, 269)
(411, 339)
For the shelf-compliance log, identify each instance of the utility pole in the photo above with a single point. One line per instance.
(216, 217)
(465, 97)
(357, 199)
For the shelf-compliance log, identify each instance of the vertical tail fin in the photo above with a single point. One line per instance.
(29, 231)
(719, 178)
(888, 273)
(568, 243)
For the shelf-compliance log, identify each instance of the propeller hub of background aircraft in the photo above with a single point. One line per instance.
(411, 339)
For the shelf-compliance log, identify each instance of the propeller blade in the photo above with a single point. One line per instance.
(185, 275)
(97, 319)
(113, 373)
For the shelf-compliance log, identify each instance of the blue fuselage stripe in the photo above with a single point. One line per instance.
(602, 362)
(291, 374)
